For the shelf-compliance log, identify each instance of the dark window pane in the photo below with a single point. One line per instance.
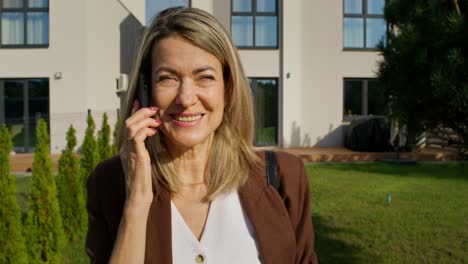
(353, 6)
(242, 30)
(376, 101)
(375, 32)
(266, 5)
(353, 98)
(12, 3)
(353, 34)
(375, 7)
(266, 114)
(38, 106)
(38, 3)
(12, 28)
(241, 5)
(14, 114)
(265, 31)
(38, 28)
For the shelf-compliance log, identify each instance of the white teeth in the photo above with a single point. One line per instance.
(188, 118)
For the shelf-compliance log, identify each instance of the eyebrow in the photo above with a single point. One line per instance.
(196, 71)
(202, 69)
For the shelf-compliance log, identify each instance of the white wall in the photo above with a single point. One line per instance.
(85, 48)
(136, 8)
(314, 57)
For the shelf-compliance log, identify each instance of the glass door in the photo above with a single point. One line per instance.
(14, 111)
(22, 103)
(265, 93)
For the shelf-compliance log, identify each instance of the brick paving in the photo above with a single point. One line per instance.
(23, 162)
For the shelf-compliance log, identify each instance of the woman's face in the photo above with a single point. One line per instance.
(188, 87)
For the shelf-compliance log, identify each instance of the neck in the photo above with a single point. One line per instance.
(190, 162)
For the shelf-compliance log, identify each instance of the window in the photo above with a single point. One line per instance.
(364, 25)
(22, 103)
(24, 23)
(154, 7)
(254, 23)
(265, 96)
(363, 97)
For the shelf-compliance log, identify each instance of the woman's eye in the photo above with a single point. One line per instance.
(165, 78)
(207, 77)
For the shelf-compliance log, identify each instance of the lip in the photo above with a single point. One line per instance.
(186, 124)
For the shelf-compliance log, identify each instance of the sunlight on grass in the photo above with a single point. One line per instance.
(426, 221)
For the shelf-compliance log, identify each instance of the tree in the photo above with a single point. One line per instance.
(70, 191)
(12, 249)
(425, 68)
(44, 231)
(103, 145)
(116, 135)
(89, 155)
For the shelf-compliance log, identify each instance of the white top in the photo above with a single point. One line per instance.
(228, 236)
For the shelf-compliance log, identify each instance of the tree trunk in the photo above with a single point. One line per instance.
(457, 7)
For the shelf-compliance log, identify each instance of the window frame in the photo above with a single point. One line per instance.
(24, 10)
(365, 98)
(254, 14)
(364, 15)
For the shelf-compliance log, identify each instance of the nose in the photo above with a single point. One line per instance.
(187, 94)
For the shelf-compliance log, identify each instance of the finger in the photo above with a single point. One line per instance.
(140, 114)
(145, 123)
(139, 140)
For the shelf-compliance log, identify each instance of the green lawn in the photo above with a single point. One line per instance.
(427, 221)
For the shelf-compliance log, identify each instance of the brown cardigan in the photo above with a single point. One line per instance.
(281, 219)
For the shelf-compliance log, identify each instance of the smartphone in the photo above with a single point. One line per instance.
(143, 91)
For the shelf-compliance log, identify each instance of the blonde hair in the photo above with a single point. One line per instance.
(232, 155)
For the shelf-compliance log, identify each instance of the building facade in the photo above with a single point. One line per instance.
(311, 64)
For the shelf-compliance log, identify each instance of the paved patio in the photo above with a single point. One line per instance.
(23, 162)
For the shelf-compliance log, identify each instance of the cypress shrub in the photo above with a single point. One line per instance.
(116, 135)
(89, 155)
(44, 231)
(12, 249)
(103, 145)
(70, 191)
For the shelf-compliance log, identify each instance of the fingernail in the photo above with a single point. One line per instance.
(136, 103)
(154, 108)
(157, 121)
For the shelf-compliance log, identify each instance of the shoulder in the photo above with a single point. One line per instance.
(107, 181)
(291, 168)
(106, 170)
(292, 175)
(288, 160)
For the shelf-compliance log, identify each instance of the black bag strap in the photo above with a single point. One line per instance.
(271, 169)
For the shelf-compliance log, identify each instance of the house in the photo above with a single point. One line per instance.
(311, 64)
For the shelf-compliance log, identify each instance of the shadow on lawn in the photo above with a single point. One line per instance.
(329, 249)
(421, 170)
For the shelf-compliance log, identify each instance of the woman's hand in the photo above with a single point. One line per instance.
(135, 157)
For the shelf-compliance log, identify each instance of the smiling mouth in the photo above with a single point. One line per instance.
(187, 118)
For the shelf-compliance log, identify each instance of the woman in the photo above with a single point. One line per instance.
(188, 187)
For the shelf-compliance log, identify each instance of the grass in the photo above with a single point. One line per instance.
(427, 221)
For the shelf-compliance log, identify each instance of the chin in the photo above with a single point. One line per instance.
(187, 140)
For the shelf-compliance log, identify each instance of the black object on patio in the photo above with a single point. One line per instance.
(370, 133)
